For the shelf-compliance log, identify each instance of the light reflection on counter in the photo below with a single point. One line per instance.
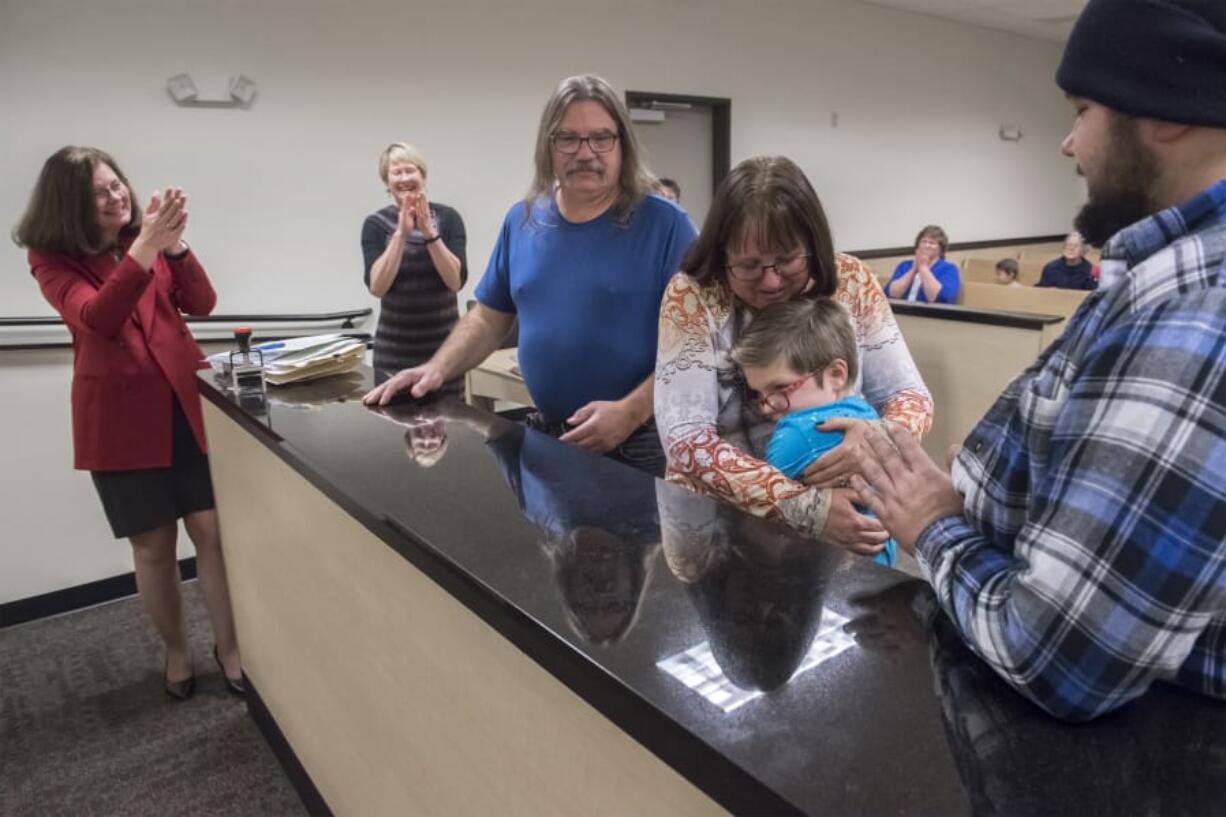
(698, 669)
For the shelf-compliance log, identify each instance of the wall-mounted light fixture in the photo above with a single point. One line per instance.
(183, 91)
(646, 115)
(1011, 133)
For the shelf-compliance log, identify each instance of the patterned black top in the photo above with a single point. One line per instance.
(418, 311)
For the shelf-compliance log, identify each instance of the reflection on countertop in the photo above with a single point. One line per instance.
(600, 573)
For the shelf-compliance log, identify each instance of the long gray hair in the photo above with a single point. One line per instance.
(635, 181)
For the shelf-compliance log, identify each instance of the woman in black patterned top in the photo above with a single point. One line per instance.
(415, 264)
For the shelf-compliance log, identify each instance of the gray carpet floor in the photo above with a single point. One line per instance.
(85, 728)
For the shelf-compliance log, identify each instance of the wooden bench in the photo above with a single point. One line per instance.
(983, 271)
(1029, 300)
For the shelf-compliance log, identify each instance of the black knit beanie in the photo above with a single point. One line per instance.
(1163, 59)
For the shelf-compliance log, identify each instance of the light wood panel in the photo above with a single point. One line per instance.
(983, 271)
(1035, 301)
(396, 698)
(1050, 252)
(965, 366)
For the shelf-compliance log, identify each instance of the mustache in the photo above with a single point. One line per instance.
(586, 167)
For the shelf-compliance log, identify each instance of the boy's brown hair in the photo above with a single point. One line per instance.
(808, 334)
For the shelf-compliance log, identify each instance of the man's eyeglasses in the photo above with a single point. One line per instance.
(779, 401)
(788, 266)
(115, 188)
(571, 142)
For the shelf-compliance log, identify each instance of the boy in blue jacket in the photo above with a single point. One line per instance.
(799, 359)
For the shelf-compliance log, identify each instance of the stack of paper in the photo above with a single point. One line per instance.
(312, 357)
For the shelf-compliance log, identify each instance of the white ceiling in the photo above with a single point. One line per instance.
(1045, 19)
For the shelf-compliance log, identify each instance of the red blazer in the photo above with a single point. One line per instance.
(132, 352)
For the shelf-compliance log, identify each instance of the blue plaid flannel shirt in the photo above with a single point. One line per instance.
(1091, 557)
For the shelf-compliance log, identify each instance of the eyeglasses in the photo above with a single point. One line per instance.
(779, 400)
(787, 266)
(115, 188)
(571, 142)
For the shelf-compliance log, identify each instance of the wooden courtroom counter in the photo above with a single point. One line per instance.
(967, 357)
(494, 635)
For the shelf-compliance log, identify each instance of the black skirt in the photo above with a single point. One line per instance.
(141, 500)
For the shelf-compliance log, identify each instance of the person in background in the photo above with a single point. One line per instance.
(1079, 544)
(928, 277)
(766, 239)
(415, 261)
(669, 189)
(799, 358)
(582, 260)
(1006, 272)
(121, 278)
(1072, 270)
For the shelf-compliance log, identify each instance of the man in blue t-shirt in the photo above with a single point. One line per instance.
(1072, 270)
(583, 262)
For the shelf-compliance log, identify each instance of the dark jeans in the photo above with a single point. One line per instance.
(641, 450)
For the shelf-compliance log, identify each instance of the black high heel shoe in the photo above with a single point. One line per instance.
(235, 685)
(179, 690)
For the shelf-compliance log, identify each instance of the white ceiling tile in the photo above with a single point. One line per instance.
(1045, 19)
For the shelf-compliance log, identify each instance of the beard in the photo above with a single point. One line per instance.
(1121, 197)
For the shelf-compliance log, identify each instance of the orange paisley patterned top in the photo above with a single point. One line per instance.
(715, 442)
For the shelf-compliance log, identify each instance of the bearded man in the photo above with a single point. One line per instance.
(1079, 543)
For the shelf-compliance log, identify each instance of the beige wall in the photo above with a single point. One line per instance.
(279, 191)
(55, 534)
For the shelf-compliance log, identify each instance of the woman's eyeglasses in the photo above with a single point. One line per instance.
(115, 188)
(788, 266)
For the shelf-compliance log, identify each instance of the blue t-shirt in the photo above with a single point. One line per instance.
(796, 442)
(946, 273)
(587, 296)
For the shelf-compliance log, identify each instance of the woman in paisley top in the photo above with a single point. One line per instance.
(765, 240)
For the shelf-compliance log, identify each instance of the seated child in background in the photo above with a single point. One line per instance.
(800, 359)
(1006, 272)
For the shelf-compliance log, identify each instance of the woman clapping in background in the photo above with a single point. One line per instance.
(415, 264)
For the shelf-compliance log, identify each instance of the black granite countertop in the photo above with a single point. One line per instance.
(824, 684)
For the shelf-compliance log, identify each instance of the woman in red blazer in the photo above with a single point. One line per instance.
(121, 278)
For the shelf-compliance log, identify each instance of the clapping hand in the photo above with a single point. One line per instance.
(161, 227)
(421, 213)
(408, 214)
(164, 221)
